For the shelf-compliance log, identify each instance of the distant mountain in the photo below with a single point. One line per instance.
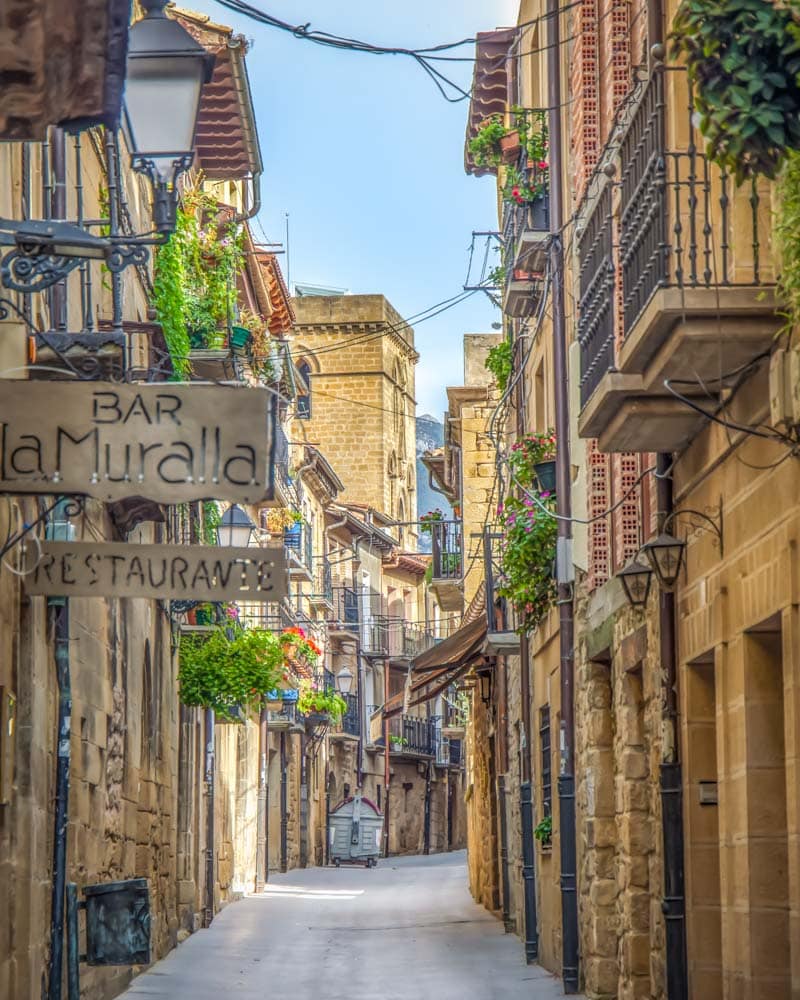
(430, 435)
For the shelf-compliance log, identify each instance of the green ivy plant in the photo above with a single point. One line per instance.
(211, 521)
(229, 669)
(169, 297)
(743, 57)
(499, 361)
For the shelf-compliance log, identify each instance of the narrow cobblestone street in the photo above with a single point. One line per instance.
(406, 929)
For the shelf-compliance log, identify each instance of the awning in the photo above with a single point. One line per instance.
(435, 670)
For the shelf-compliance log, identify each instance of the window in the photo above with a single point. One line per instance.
(547, 778)
(304, 391)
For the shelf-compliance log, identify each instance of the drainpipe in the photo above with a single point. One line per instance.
(361, 708)
(262, 815)
(502, 732)
(284, 811)
(566, 779)
(60, 608)
(387, 769)
(674, 903)
(426, 822)
(526, 809)
(59, 212)
(208, 721)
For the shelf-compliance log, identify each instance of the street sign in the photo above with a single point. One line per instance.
(179, 572)
(168, 442)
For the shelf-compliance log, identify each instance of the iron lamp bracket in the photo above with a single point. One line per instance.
(700, 521)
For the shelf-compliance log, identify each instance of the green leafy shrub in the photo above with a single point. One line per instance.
(499, 361)
(315, 700)
(231, 668)
(743, 56)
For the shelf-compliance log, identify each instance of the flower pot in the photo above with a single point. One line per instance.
(546, 475)
(540, 214)
(239, 338)
(274, 704)
(204, 616)
(510, 146)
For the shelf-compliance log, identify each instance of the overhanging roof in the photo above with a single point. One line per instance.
(226, 140)
(489, 86)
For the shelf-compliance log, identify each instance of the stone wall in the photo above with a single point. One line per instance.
(618, 725)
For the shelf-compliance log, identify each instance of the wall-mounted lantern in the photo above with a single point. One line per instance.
(235, 529)
(636, 579)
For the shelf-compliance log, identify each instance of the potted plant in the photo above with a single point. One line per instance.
(279, 519)
(510, 146)
(320, 706)
(300, 652)
(397, 742)
(533, 461)
(229, 670)
(426, 521)
(484, 146)
(274, 700)
(239, 339)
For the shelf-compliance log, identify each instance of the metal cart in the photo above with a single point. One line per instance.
(355, 832)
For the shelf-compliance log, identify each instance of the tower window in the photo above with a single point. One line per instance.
(304, 391)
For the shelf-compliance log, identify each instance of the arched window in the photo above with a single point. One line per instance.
(304, 391)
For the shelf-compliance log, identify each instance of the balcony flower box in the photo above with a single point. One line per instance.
(239, 339)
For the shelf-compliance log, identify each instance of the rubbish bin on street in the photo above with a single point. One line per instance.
(355, 832)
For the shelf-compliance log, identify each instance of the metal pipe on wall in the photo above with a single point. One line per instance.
(674, 900)
(60, 608)
(262, 807)
(566, 778)
(284, 805)
(208, 912)
(387, 769)
(526, 809)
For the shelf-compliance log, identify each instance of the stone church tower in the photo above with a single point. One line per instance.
(356, 356)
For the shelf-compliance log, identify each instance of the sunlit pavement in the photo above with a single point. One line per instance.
(407, 929)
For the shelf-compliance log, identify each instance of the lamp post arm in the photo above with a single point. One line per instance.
(710, 523)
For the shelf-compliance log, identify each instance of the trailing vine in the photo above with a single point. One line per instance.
(787, 233)
(211, 521)
(169, 297)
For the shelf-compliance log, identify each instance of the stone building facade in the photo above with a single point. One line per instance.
(357, 356)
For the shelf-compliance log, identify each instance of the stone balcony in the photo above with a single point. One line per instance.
(676, 281)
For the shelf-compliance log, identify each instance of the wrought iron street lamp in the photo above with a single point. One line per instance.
(636, 579)
(166, 70)
(665, 555)
(235, 529)
(344, 681)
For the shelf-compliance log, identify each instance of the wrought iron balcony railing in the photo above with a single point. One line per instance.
(680, 222)
(351, 723)
(410, 734)
(447, 546)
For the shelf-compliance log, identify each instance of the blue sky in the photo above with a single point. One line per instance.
(367, 159)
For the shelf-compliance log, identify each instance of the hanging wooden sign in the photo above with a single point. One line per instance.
(179, 572)
(171, 443)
